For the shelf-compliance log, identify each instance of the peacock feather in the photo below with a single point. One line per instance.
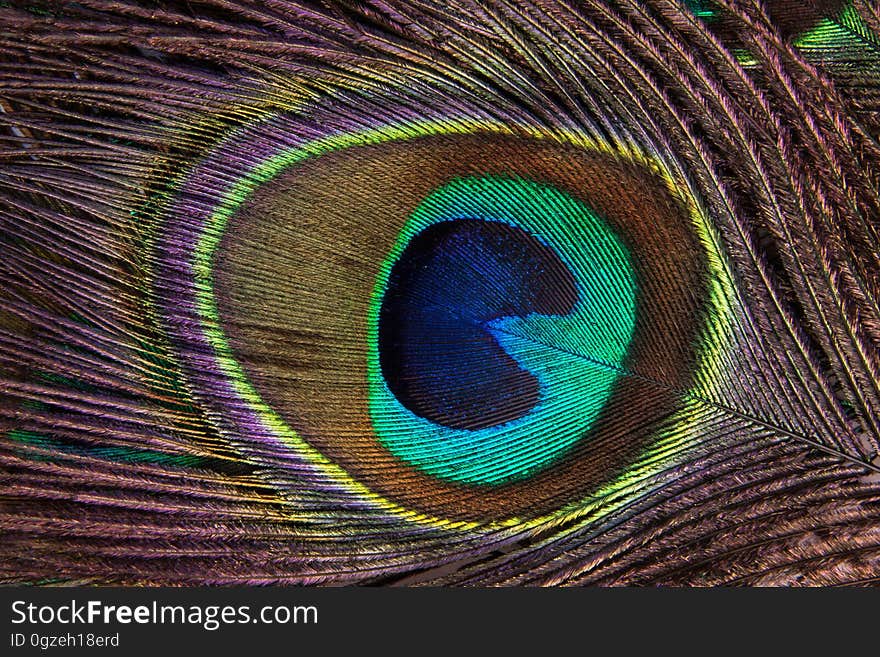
(471, 292)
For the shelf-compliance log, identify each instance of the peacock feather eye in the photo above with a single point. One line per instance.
(449, 291)
(450, 317)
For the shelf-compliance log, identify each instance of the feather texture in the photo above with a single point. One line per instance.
(476, 292)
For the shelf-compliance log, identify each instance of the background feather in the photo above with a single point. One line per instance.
(124, 459)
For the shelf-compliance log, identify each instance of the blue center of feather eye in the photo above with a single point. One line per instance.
(500, 323)
(437, 347)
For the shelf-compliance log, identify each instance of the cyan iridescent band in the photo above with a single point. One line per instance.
(195, 226)
(563, 352)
